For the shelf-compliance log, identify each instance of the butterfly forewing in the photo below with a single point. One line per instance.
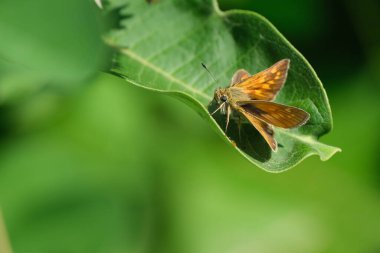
(264, 129)
(276, 114)
(266, 84)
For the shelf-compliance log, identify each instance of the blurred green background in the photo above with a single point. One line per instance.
(89, 163)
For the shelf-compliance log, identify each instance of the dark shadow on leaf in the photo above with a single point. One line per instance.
(250, 141)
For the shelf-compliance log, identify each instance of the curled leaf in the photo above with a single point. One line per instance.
(161, 47)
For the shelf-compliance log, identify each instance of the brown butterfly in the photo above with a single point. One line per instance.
(251, 97)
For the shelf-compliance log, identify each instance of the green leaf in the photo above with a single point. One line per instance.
(161, 47)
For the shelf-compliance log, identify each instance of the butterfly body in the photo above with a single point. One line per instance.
(251, 97)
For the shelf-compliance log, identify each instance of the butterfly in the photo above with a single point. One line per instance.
(252, 96)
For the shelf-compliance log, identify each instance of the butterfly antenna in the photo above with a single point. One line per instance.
(208, 71)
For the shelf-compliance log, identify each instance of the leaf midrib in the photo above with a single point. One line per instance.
(311, 140)
(164, 73)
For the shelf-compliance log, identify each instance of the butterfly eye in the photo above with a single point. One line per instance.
(223, 98)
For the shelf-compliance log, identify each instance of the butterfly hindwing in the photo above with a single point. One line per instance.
(276, 114)
(264, 129)
(239, 76)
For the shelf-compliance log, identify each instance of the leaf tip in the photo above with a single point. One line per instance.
(327, 152)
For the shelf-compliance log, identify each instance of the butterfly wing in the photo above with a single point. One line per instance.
(276, 114)
(264, 85)
(239, 76)
(264, 128)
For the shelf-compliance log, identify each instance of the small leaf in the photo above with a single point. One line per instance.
(161, 48)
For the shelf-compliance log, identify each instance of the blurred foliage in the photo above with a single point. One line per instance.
(48, 44)
(106, 167)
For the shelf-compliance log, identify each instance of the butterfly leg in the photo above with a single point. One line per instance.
(228, 117)
(220, 107)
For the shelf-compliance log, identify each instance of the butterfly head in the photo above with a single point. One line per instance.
(221, 96)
